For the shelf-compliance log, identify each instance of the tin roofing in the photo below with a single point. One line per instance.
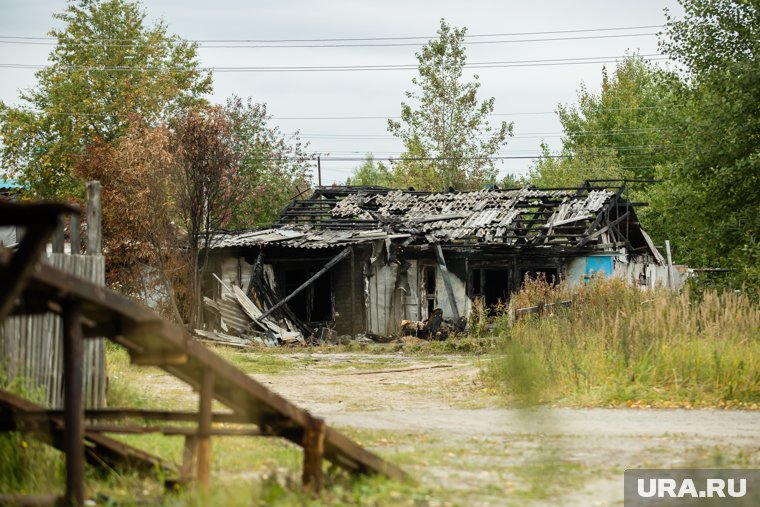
(587, 216)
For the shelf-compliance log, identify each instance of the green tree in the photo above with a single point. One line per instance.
(274, 168)
(414, 169)
(107, 65)
(571, 168)
(713, 33)
(371, 173)
(449, 126)
(622, 131)
(712, 208)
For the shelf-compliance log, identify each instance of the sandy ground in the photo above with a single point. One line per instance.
(454, 437)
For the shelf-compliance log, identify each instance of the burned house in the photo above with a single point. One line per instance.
(362, 259)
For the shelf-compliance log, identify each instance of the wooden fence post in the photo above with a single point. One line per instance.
(59, 238)
(206, 392)
(313, 452)
(73, 409)
(671, 278)
(76, 244)
(189, 452)
(94, 218)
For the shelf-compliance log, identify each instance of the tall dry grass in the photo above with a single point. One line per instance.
(620, 345)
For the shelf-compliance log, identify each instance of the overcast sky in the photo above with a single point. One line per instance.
(524, 94)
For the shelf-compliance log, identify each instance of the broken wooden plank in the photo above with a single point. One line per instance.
(253, 312)
(189, 453)
(519, 312)
(657, 255)
(205, 399)
(601, 231)
(50, 500)
(399, 370)
(221, 337)
(313, 453)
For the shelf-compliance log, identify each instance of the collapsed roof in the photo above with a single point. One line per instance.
(589, 217)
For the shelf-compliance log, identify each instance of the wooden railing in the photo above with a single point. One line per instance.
(88, 310)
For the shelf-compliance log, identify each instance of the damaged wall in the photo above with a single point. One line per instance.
(233, 271)
(640, 271)
(348, 290)
(380, 284)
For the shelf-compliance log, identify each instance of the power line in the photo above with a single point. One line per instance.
(431, 159)
(360, 39)
(326, 155)
(516, 113)
(531, 135)
(343, 68)
(353, 45)
(623, 148)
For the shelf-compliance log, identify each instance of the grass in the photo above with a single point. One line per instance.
(20, 456)
(615, 346)
(619, 345)
(247, 471)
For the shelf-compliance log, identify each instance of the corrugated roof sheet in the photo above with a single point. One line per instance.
(303, 237)
(335, 217)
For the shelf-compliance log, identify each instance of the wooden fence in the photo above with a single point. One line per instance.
(31, 346)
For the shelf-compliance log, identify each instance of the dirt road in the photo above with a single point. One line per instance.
(434, 416)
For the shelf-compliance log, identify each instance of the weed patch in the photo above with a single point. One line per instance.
(618, 345)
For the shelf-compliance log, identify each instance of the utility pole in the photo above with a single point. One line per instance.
(319, 170)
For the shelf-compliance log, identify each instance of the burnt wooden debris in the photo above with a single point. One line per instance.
(396, 257)
(89, 311)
